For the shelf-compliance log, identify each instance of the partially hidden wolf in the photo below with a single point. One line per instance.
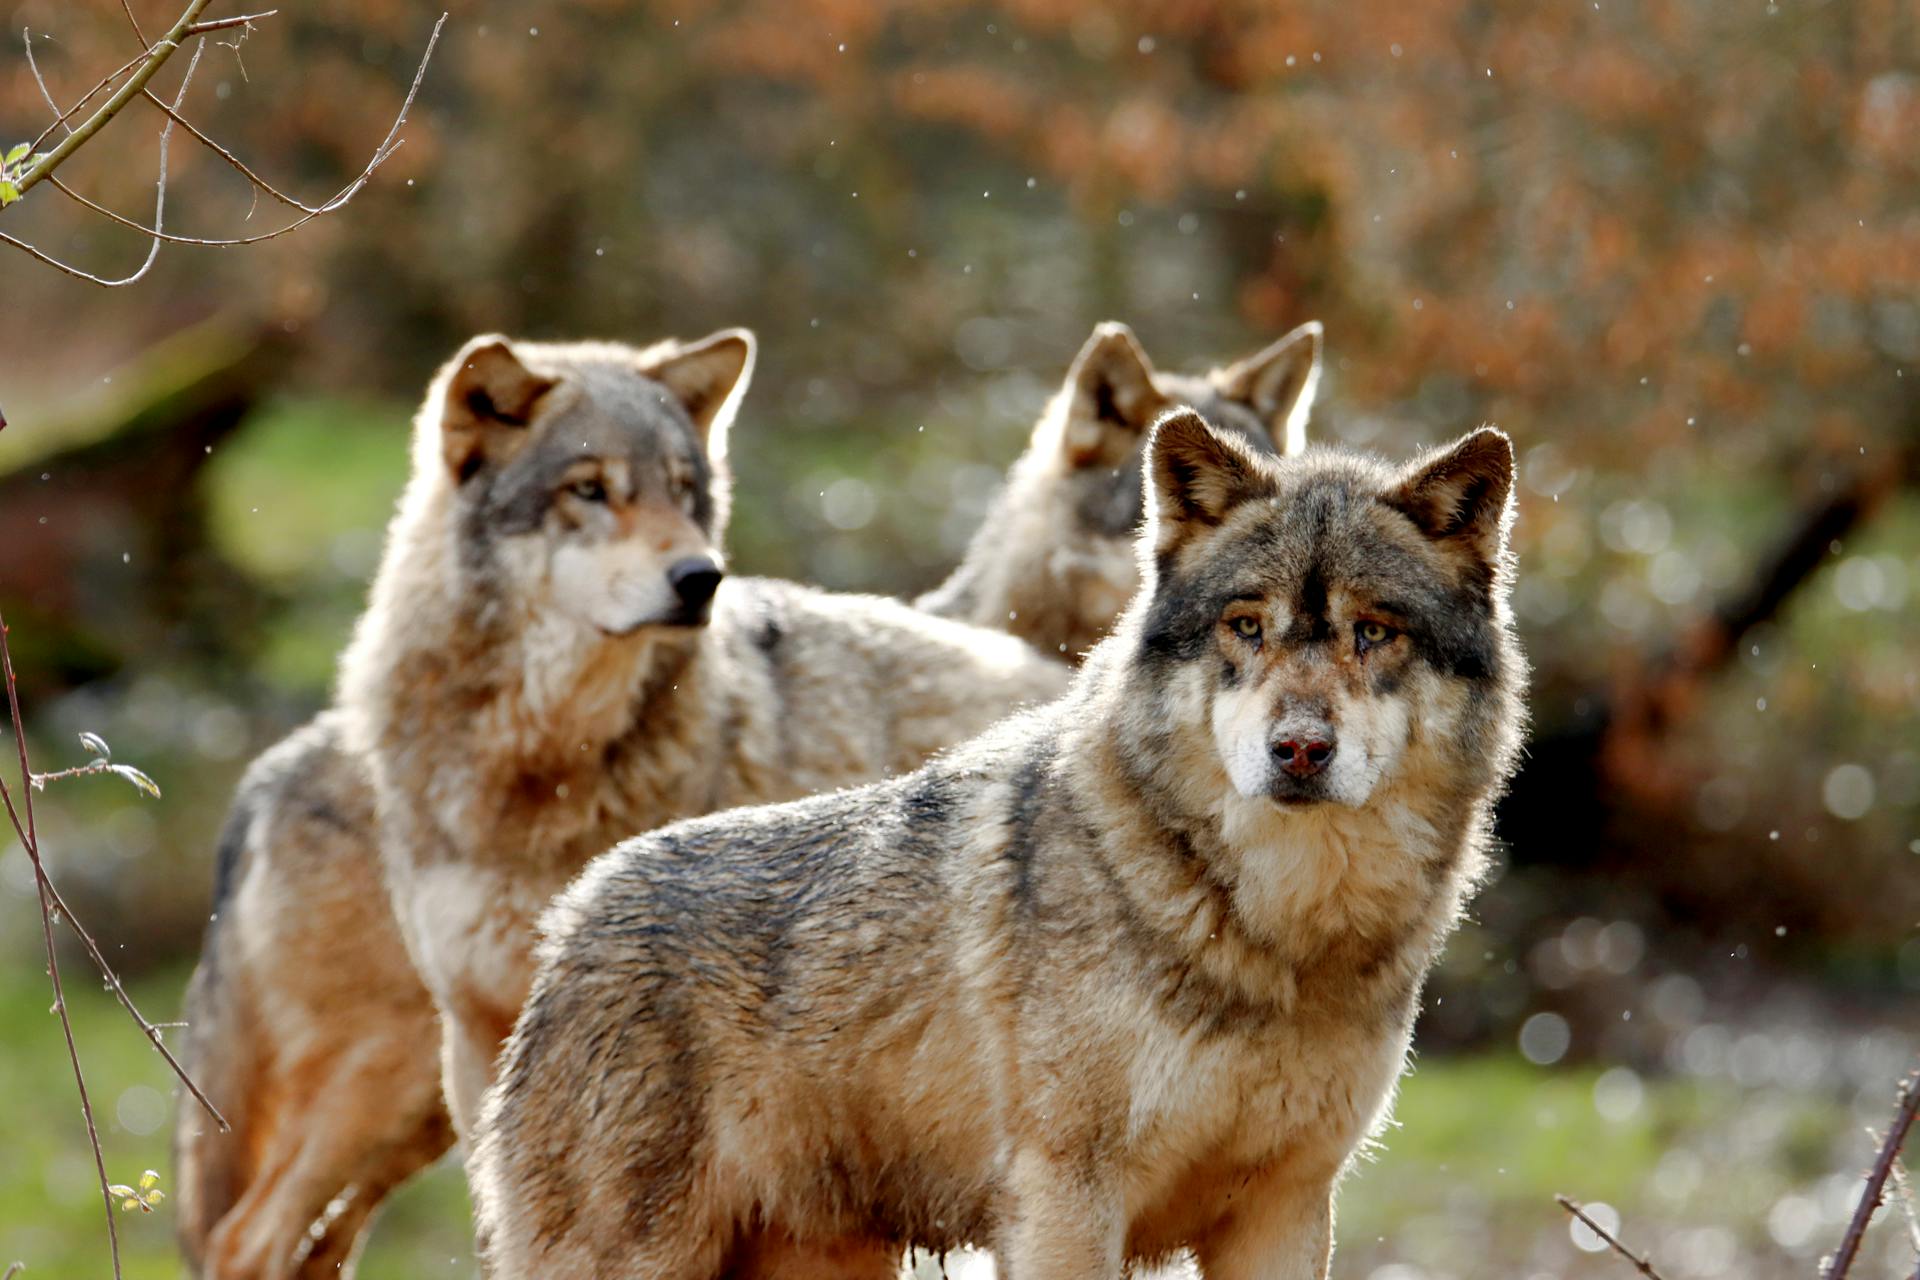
(1129, 974)
(1053, 561)
(306, 1019)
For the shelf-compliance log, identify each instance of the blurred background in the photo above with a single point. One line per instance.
(1672, 247)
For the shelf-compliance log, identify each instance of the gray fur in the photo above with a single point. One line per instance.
(1054, 970)
(1052, 561)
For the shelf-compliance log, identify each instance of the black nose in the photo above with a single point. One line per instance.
(1305, 758)
(694, 580)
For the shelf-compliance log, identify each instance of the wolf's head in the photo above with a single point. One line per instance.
(1319, 628)
(1054, 562)
(589, 479)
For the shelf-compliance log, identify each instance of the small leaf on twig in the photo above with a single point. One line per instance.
(137, 778)
(96, 745)
(17, 150)
(143, 1196)
(8, 193)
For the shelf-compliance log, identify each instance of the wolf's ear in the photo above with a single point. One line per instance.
(1462, 496)
(1278, 385)
(1111, 398)
(1195, 477)
(490, 400)
(709, 377)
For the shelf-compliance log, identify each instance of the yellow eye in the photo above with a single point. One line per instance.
(1246, 628)
(1370, 634)
(588, 490)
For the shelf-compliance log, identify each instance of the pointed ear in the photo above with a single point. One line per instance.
(1462, 496)
(708, 377)
(1278, 385)
(1196, 477)
(1111, 398)
(490, 399)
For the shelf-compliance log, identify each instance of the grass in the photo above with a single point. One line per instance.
(1468, 1173)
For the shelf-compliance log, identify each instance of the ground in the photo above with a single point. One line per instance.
(1742, 1159)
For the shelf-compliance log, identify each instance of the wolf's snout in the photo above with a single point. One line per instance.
(694, 580)
(1303, 755)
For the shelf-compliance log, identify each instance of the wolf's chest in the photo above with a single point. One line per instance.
(1202, 1109)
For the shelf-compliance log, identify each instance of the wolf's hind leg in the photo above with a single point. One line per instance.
(366, 1125)
(335, 1249)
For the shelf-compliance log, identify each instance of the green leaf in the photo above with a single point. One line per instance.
(96, 745)
(8, 193)
(138, 779)
(14, 154)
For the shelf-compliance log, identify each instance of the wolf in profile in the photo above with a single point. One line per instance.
(1053, 561)
(1129, 974)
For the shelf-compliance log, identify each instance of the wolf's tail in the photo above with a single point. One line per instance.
(207, 1175)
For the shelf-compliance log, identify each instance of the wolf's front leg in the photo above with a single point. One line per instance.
(1066, 1221)
(1279, 1228)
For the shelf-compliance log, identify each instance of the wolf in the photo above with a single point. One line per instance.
(1129, 974)
(305, 1015)
(552, 615)
(553, 658)
(1053, 561)
(307, 1026)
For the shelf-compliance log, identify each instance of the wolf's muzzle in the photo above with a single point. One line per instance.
(694, 580)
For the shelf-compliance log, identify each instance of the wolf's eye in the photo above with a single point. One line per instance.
(1246, 628)
(1371, 635)
(588, 490)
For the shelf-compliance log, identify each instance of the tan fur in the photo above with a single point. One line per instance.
(1080, 990)
(509, 742)
(305, 1024)
(309, 1023)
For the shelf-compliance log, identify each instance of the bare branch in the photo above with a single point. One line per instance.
(222, 24)
(1875, 1189)
(14, 1270)
(156, 57)
(157, 233)
(26, 37)
(126, 7)
(60, 120)
(29, 840)
(260, 183)
(1644, 1267)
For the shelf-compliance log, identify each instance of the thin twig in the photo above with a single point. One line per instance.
(46, 95)
(259, 182)
(156, 57)
(1640, 1263)
(1905, 1188)
(60, 120)
(14, 1270)
(29, 840)
(221, 24)
(126, 7)
(157, 234)
(1875, 1190)
(152, 1030)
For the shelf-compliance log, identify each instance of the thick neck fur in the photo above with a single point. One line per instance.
(1268, 901)
(445, 667)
